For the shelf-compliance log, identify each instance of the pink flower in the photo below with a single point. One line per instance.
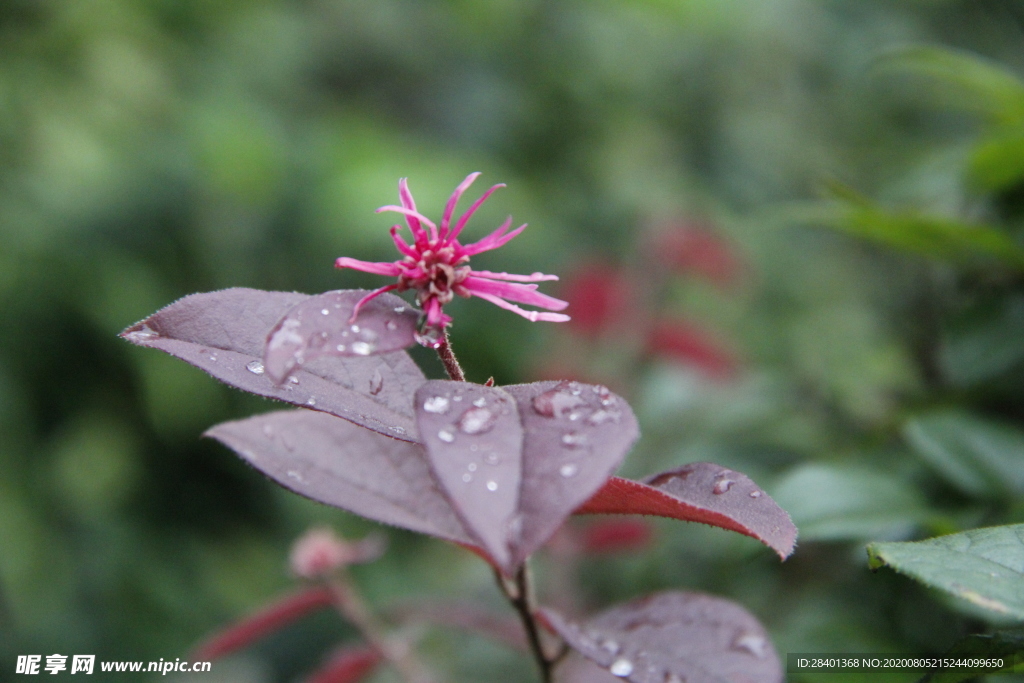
(436, 264)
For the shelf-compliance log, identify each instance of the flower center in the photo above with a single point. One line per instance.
(435, 274)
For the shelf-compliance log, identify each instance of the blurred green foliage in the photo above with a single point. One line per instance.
(153, 148)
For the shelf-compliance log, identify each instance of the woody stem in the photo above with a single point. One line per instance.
(451, 363)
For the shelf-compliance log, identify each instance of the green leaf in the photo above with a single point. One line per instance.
(910, 230)
(962, 80)
(983, 459)
(1007, 645)
(830, 503)
(983, 566)
(998, 161)
(984, 343)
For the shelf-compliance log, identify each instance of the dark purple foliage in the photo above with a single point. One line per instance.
(672, 637)
(576, 435)
(321, 325)
(224, 333)
(341, 464)
(701, 492)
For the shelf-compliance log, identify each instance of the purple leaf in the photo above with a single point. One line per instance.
(672, 637)
(336, 462)
(474, 441)
(224, 334)
(576, 436)
(321, 325)
(701, 492)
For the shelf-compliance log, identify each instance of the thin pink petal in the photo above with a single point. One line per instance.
(532, 316)
(435, 318)
(449, 208)
(419, 235)
(380, 268)
(362, 302)
(493, 241)
(524, 294)
(400, 243)
(412, 214)
(533, 277)
(466, 216)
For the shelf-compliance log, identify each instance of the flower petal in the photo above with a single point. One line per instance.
(466, 216)
(522, 293)
(400, 243)
(532, 316)
(496, 239)
(449, 208)
(419, 218)
(362, 302)
(533, 277)
(379, 268)
(419, 235)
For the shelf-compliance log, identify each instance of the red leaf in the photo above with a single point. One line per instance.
(597, 295)
(262, 623)
(693, 249)
(347, 665)
(693, 346)
(224, 332)
(616, 536)
(673, 637)
(320, 326)
(701, 492)
(339, 463)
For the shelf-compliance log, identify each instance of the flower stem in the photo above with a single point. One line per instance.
(351, 606)
(520, 595)
(451, 363)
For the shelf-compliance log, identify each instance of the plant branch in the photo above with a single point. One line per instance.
(352, 608)
(520, 596)
(451, 363)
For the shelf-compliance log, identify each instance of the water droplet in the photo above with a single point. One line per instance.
(324, 311)
(446, 436)
(255, 367)
(574, 440)
(287, 335)
(294, 475)
(268, 431)
(354, 328)
(311, 401)
(621, 668)
(341, 348)
(391, 326)
(722, 485)
(437, 405)
(602, 416)
(752, 644)
(755, 494)
(399, 309)
(568, 470)
(471, 467)
(555, 402)
(361, 348)
(467, 478)
(143, 334)
(476, 421)
(480, 402)
(376, 383)
(213, 357)
(492, 459)
(610, 646)
(430, 338)
(368, 335)
(457, 399)
(492, 485)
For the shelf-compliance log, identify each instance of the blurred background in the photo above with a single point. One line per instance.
(788, 230)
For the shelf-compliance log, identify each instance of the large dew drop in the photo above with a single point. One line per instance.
(753, 644)
(376, 383)
(361, 348)
(621, 668)
(437, 405)
(721, 486)
(556, 402)
(476, 421)
(446, 436)
(255, 367)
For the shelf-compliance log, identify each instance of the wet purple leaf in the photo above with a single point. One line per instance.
(322, 325)
(336, 462)
(672, 637)
(224, 333)
(474, 440)
(576, 436)
(701, 492)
